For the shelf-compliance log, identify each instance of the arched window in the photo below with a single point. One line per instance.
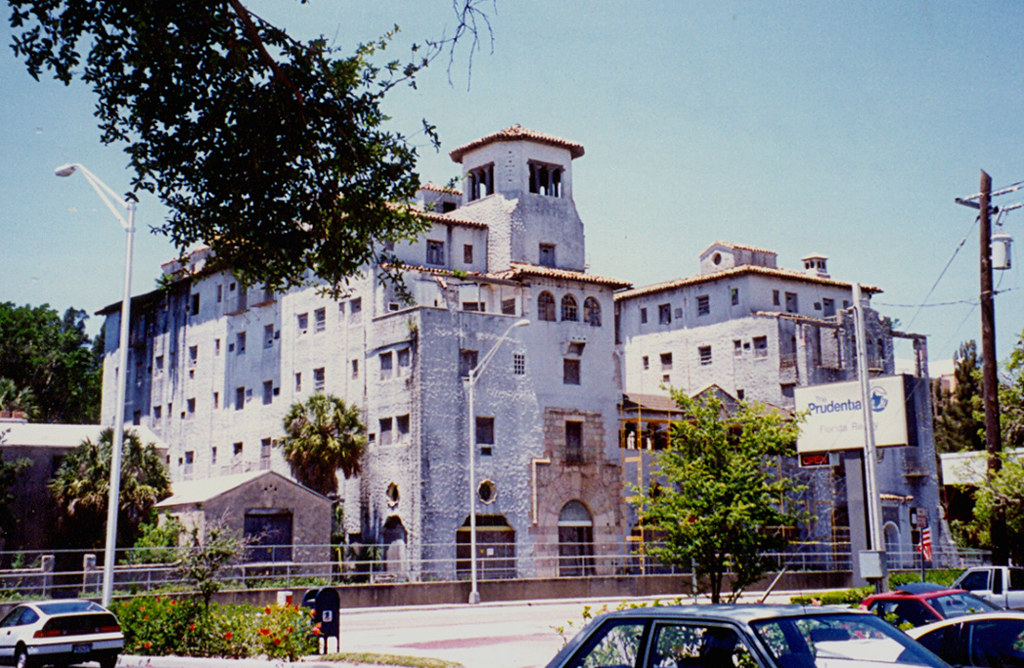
(592, 312)
(569, 308)
(546, 307)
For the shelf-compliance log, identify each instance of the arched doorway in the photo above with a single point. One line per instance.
(575, 540)
(394, 538)
(895, 555)
(495, 548)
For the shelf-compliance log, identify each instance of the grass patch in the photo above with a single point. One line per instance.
(389, 660)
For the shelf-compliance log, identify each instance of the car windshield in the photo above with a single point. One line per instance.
(834, 639)
(65, 607)
(957, 605)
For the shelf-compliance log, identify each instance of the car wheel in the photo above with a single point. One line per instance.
(21, 659)
(108, 661)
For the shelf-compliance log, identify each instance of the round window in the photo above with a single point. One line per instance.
(487, 492)
(717, 258)
(392, 494)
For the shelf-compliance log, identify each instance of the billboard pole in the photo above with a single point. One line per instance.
(873, 499)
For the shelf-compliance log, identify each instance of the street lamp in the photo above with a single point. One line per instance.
(109, 198)
(471, 378)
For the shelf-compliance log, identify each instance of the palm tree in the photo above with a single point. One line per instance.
(323, 434)
(13, 400)
(81, 487)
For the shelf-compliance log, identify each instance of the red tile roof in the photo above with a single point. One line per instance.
(514, 133)
(738, 271)
(520, 270)
(448, 219)
(439, 189)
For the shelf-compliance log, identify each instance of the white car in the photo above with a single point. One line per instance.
(985, 639)
(59, 633)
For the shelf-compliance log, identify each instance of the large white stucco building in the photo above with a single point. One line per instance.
(757, 331)
(213, 368)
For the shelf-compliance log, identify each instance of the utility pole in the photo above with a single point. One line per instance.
(990, 377)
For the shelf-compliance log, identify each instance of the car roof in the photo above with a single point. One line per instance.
(743, 612)
(919, 631)
(921, 587)
(902, 594)
(63, 606)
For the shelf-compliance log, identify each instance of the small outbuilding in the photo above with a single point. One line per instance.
(282, 520)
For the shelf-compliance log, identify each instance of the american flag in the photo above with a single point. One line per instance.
(925, 547)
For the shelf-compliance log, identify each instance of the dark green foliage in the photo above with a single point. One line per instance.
(55, 371)
(720, 505)
(9, 471)
(323, 435)
(269, 149)
(206, 554)
(81, 487)
(959, 415)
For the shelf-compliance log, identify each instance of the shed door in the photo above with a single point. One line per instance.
(270, 534)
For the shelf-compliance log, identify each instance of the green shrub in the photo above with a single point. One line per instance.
(163, 625)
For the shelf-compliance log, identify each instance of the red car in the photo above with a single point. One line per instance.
(923, 603)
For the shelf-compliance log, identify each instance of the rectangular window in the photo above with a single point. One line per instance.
(508, 306)
(268, 392)
(157, 411)
(703, 305)
(216, 399)
(402, 427)
(240, 343)
(476, 307)
(760, 346)
(403, 357)
(193, 355)
(320, 319)
(467, 253)
(190, 458)
(319, 379)
(220, 293)
(570, 371)
(664, 314)
(573, 442)
(643, 316)
(737, 347)
(704, 355)
(385, 431)
(828, 307)
(355, 309)
(195, 304)
(298, 382)
(734, 296)
(302, 321)
(243, 300)
(435, 252)
(159, 363)
(519, 364)
(216, 347)
(239, 398)
(666, 361)
(213, 454)
(775, 298)
(385, 365)
(265, 445)
(237, 449)
(268, 336)
(480, 181)
(190, 406)
(467, 361)
(355, 368)
(646, 362)
(485, 434)
(791, 305)
(546, 255)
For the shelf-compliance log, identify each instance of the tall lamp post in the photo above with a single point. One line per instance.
(110, 198)
(471, 378)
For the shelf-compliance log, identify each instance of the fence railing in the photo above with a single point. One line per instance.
(79, 573)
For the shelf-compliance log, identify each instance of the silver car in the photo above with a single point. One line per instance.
(717, 636)
(60, 632)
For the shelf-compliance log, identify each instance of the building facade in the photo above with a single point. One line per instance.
(755, 331)
(214, 366)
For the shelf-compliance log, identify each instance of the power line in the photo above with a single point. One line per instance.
(941, 274)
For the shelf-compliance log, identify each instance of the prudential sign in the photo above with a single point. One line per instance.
(835, 419)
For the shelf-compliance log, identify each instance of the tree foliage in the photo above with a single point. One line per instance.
(719, 503)
(81, 488)
(959, 414)
(206, 554)
(9, 472)
(269, 149)
(51, 363)
(1003, 492)
(323, 435)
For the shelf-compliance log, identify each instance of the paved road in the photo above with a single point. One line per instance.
(489, 635)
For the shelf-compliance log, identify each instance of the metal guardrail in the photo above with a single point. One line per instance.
(78, 572)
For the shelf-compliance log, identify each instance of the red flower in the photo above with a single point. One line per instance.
(316, 630)
(277, 641)
(174, 602)
(266, 610)
(147, 644)
(227, 636)
(192, 627)
(145, 617)
(264, 632)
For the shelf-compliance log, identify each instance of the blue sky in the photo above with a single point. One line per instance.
(838, 128)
